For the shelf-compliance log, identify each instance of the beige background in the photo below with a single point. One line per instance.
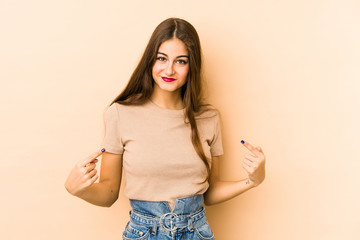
(284, 74)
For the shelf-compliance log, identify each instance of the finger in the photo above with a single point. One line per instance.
(94, 161)
(92, 173)
(83, 170)
(249, 163)
(90, 180)
(94, 178)
(250, 147)
(89, 167)
(259, 149)
(251, 157)
(92, 157)
(247, 168)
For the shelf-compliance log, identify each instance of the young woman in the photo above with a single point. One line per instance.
(168, 141)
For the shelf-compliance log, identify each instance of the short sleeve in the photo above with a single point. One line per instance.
(216, 147)
(112, 137)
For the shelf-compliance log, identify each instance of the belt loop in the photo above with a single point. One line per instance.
(190, 225)
(155, 227)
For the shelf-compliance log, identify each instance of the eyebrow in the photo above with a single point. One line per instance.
(176, 57)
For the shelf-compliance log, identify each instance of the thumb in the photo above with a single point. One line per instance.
(93, 161)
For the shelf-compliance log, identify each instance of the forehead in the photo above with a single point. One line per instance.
(173, 47)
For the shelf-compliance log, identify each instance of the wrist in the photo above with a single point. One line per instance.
(80, 193)
(250, 183)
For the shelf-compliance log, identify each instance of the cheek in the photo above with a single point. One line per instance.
(157, 68)
(184, 72)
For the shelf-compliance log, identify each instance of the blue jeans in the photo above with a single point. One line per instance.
(155, 220)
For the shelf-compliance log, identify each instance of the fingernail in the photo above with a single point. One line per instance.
(103, 150)
(242, 141)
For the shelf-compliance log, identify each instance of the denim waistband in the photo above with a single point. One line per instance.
(184, 205)
(187, 213)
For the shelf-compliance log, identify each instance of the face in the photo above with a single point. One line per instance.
(171, 66)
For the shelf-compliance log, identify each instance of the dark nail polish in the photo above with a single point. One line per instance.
(242, 141)
(103, 150)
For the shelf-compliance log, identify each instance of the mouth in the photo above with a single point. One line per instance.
(168, 79)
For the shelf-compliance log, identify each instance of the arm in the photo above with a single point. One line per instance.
(106, 191)
(220, 191)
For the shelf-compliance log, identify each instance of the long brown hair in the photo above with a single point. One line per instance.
(140, 85)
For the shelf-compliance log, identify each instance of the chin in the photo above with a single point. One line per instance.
(169, 89)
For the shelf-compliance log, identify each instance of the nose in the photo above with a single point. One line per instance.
(170, 69)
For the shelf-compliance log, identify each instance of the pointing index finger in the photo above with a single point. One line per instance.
(250, 147)
(92, 157)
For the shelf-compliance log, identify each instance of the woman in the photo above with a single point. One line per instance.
(168, 141)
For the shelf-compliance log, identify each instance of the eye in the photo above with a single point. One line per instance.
(162, 59)
(181, 61)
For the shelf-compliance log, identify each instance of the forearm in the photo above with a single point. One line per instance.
(99, 194)
(221, 191)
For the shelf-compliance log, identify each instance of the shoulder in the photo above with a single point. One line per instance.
(120, 107)
(129, 111)
(207, 112)
(114, 109)
(208, 122)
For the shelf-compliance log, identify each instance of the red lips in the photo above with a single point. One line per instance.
(168, 79)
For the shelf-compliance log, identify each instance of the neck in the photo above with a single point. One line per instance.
(169, 100)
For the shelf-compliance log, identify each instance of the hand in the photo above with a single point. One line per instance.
(83, 175)
(254, 164)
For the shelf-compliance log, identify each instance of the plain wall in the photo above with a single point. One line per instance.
(284, 75)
